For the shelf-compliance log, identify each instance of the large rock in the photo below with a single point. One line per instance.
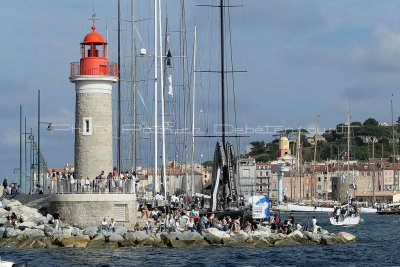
(214, 236)
(5, 202)
(33, 233)
(51, 232)
(273, 238)
(3, 213)
(99, 236)
(296, 236)
(126, 243)
(121, 230)
(12, 204)
(140, 238)
(76, 231)
(67, 232)
(31, 225)
(11, 232)
(285, 242)
(185, 239)
(114, 237)
(346, 237)
(330, 240)
(238, 239)
(73, 241)
(90, 231)
(316, 238)
(33, 243)
(101, 244)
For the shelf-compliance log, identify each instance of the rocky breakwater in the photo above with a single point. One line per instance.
(34, 231)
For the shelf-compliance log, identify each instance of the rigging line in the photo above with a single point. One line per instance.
(233, 77)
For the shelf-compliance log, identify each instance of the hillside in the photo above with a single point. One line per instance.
(334, 145)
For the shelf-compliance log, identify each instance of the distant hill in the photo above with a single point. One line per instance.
(335, 144)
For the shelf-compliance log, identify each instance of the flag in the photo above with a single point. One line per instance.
(170, 90)
(169, 55)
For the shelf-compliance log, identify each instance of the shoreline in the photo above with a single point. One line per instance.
(36, 232)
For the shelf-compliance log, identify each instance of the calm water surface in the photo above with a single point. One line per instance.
(378, 243)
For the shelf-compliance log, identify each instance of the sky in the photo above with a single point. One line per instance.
(302, 58)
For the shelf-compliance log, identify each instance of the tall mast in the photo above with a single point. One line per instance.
(393, 144)
(222, 70)
(119, 91)
(348, 139)
(314, 178)
(164, 175)
(156, 183)
(133, 86)
(298, 159)
(194, 102)
(182, 34)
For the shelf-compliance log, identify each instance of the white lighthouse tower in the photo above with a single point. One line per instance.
(93, 76)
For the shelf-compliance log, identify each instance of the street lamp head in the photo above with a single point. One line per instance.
(50, 127)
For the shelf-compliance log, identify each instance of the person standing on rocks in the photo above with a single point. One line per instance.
(5, 185)
(314, 225)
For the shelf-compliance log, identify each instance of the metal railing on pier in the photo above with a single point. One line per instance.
(64, 186)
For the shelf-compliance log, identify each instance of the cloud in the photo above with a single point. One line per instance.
(381, 53)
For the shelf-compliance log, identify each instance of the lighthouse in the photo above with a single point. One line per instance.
(93, 76)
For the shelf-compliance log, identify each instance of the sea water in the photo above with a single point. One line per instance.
(378, 242)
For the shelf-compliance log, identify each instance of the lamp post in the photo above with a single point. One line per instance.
(49, 128)
(25, 161)
(31, 141)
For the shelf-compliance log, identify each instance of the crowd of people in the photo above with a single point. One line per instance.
(124, 182)
(175, 218)
(289, 225)
(10, 189)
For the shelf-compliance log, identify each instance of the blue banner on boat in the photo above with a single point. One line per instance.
(260, 207)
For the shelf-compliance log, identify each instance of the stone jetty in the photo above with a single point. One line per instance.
(35, 231)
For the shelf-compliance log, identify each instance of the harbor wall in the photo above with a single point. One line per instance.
(89, 209)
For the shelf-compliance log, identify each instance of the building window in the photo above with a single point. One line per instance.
(120, 212)
(87, 126)
(246, 173)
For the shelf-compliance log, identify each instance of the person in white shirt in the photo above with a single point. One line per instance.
(112, 225)
(104, 225)
(190, 225)
(314, 225)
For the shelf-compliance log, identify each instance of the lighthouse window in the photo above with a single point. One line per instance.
(87, 126)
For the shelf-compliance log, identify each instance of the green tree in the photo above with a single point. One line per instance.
(208, 163)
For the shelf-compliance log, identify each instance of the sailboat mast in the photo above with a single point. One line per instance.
(222, 70)
(393, 144)
(298, 159)
(194, 102)
(314, 178)
(119, 91)
(164, 176)
(133, 86)
(348, 139)
(156, 183)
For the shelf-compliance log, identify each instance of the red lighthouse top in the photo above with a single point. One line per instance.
(93, 37)
(94, 57)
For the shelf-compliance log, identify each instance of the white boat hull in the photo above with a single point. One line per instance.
(368, 210)
(347, 221)
(301, 208)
